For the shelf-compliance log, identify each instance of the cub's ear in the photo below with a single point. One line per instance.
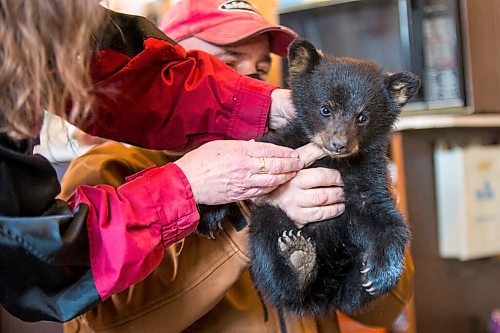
(302, 57)
(402, 86)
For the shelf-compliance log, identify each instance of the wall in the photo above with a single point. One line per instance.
(450, 296)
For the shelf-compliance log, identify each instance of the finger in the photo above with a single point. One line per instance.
(282, 109)
(317, 214)
(269, 181)
(318, 197)
(318, 177)
(310, 153)
(276, 166)
(264, 149)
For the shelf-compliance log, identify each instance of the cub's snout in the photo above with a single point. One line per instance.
(338, 138)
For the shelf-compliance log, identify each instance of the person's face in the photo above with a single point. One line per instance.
(251, 56)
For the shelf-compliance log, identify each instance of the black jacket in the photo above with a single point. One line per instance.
(44, 264)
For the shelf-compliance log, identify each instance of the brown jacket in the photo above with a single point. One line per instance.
(201, 285)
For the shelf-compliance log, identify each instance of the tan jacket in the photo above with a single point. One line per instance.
(201, 285)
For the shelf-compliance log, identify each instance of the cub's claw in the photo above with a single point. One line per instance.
(380, 272)
(371, 291)
(367, 284)
(209, 229)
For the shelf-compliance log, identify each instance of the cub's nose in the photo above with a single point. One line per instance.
(338, 147)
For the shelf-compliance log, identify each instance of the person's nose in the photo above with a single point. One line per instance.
(247, 68)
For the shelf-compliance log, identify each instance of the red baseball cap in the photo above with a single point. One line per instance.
(223, 22)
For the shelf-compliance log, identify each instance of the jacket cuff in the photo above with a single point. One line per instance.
(252, 102)
(129, 227)
(178, 218)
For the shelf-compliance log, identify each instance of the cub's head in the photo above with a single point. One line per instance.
(345, 105)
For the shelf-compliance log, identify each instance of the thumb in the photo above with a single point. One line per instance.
(310, 153)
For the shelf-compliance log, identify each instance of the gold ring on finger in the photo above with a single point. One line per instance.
(262, 168)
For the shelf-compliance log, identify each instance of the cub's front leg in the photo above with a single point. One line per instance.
(383, 259)
(380, 238)
(212, 217)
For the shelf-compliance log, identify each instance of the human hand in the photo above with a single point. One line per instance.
(314, 194)
(282, 109)
(227, 171)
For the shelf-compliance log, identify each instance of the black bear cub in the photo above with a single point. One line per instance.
(348, 107)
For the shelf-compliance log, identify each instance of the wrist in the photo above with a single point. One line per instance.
(282, 110)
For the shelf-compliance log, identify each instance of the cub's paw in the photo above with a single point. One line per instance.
(300, 254)
(209, 229)
(381, 269)
(211, 218)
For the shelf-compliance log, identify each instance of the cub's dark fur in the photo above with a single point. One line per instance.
(348, 107)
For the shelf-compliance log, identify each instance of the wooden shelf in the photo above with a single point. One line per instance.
(448, 121)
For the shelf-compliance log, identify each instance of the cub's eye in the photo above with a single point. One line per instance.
(362, 119)
(325, 111)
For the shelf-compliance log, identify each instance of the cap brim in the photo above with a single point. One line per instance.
(230, 33)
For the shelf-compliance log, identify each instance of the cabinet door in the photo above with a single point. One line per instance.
(481, 45)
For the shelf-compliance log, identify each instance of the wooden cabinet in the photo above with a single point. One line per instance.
(481, 49)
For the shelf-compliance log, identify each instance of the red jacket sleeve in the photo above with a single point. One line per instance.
(153, 93)
(129, 227)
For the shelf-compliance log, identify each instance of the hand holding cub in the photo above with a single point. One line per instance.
(227, 171)
(313, 195)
